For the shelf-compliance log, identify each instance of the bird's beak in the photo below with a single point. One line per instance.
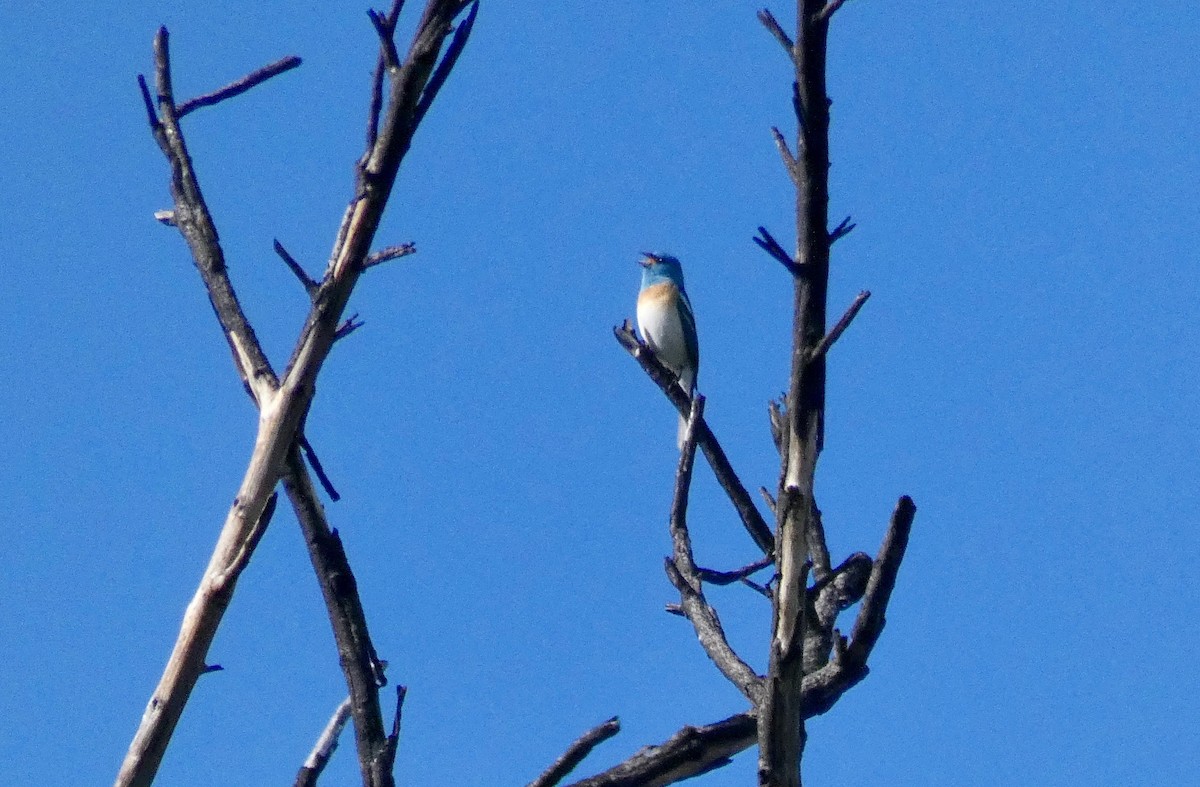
(647, 259)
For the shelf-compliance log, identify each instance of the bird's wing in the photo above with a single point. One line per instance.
(691, 339)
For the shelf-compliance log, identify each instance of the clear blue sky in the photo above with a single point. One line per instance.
(1025, 183)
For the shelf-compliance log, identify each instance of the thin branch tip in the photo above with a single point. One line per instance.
(826, 13)
(766, 241)
(389, 253)
(239, 86)
(776, 30)
(577, 752)
(835, 333)
(310, 285)
(842, 230)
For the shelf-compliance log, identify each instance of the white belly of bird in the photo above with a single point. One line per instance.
(663, 331)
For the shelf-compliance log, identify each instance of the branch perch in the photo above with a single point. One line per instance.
(752, 520)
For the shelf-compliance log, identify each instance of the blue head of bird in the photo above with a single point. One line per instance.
(660, 268)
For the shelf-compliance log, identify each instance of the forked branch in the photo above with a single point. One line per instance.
(283, 401)
(752, 520)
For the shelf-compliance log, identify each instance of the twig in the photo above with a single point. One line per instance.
(457, 44)
(762, 590)
(324, 748)
(236, 88)
(722, 578)
(385, 27)
(778, 427)
(665, 379)
(152, 114)
(390, 253)
(766, 496)
(789, 160)
(311, 286)
(841, 230)
(315, 463)
(388, 759)
(577, 752)
(772, 24)
(829, 10)
(840, 328)
(771, 246)
(349, 326)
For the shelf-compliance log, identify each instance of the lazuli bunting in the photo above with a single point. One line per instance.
(664, 316)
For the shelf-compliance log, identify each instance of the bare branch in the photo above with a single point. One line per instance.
(690, 752)
(778, 427)
(789, 161)
(349, 326)
(152, 114)
(239, 86)
(737, 575)
(772, 24)
(781, 729)
(577, 752)
(841, 230)
(315, 463)
(663, 377)
(693, 751)
(363, 669)
(457, 44)
(376, 105)
(872, 613)
(771, 246)
(766, 496)
(388, 759)
(385, 27)
(841, 588)
(829, 10)
(324, 748)
(840, 328)
(310, 285)
(390, 253)
(711, 635)
(681, 569)
(283, 403)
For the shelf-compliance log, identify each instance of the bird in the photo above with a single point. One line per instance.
(665, 318)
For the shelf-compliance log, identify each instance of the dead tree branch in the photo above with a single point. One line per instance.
(324, 748)
(802, 633)
(578, 750)
(283, 402)
(839, 328)
(681, 570)
(696, 750)
(752, 520)
(238, 87)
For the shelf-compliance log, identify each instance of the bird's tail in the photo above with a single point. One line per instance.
(682, 431)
